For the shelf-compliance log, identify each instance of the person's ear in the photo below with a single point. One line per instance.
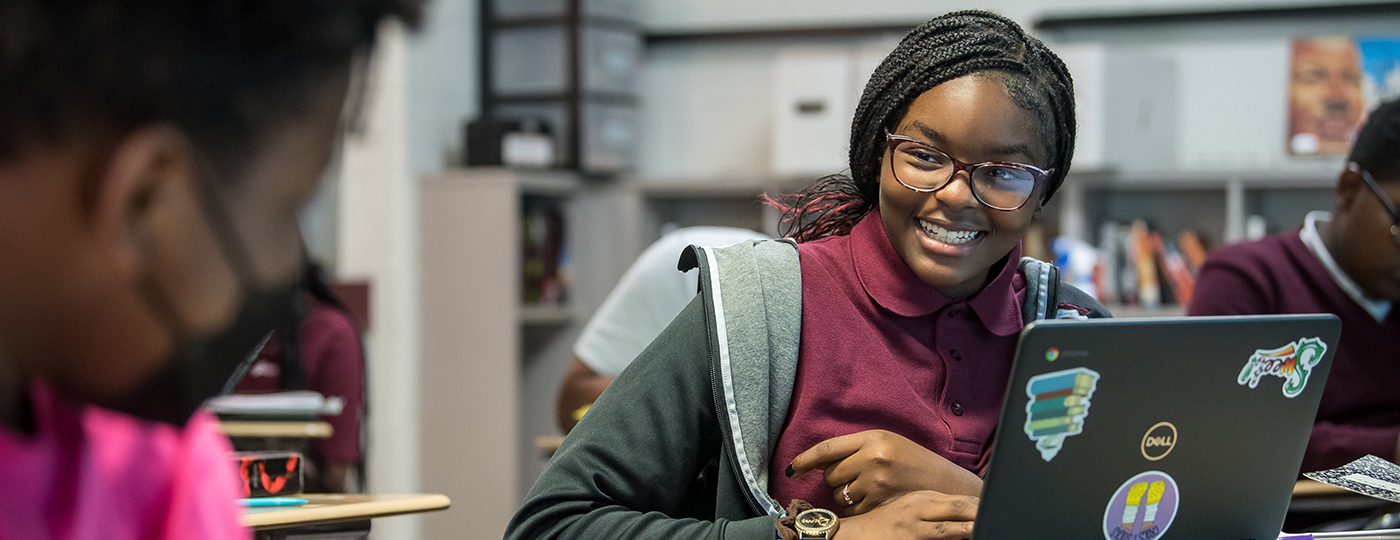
(1039, 210)
(1349, 186)
(143, 169)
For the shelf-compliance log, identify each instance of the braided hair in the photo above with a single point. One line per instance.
(954, 45)
(1377, 147)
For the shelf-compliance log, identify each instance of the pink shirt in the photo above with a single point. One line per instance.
(89, 473)
(881, 349)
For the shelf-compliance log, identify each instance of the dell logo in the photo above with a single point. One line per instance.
(1159, 441)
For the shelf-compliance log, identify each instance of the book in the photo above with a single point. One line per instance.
(1149, 290)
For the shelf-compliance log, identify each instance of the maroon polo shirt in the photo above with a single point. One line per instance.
(881, 349)
(1360, 410)
(331, 355)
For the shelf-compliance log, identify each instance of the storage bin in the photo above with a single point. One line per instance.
(610, 59)
(530, 60)
(519, 9)
(536, 60)
(609, 137)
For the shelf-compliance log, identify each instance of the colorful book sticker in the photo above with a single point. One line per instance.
(1293, 363)
(1142, 508)
(1059, 402)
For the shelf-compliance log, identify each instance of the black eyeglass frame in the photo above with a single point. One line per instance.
(1385, 199)
(1038, 174)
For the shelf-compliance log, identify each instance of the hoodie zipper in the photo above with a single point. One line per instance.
(722, 412)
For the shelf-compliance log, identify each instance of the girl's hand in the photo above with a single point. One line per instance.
(921, 515)
(870, 468)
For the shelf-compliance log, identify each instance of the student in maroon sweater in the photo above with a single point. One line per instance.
(1346, 263)
(321, 352)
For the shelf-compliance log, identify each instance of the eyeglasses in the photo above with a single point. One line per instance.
(998, 185)
(1385, 200)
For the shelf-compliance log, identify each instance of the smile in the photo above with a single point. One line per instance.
(946, 236)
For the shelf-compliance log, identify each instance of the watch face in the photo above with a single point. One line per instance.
(815, 521)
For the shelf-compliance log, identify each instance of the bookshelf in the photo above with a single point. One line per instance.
(481, 344)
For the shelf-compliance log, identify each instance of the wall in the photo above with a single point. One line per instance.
(708, 105)
(423, 86)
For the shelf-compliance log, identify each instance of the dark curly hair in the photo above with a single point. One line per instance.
(1377, 147)
(945, 48)
(222, 71)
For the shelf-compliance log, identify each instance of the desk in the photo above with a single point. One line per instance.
(276, 430)
(1315, 504)
(549, 444)
(328, 509)
(1310, 489)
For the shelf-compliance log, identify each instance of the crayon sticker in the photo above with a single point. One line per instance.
(1059, 402)
(1293, 363)
(1143, 508)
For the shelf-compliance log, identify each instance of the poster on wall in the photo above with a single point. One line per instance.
(1334, 81)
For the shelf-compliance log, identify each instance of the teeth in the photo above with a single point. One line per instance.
(946, 236)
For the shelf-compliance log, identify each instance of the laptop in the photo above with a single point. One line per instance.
(1188, 428)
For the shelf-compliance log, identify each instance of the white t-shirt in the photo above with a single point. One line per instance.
(651, 293)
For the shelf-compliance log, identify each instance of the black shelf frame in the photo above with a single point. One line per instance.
(573, 96)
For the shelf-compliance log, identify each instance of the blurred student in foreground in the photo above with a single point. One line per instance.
(154, 155)
(1347, 263)
(650, 294)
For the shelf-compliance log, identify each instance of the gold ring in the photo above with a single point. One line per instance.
(846, 494)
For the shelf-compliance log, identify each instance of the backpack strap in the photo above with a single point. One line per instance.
(1048, 298)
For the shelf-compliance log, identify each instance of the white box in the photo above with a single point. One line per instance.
(813, 106)
(1126, 105)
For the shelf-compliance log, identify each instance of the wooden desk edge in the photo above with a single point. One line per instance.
(1311, 488)
(549, 443)
(346, 512)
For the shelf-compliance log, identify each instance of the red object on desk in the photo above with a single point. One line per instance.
(265, 474)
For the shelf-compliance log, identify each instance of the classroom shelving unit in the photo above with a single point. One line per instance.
(479, 341)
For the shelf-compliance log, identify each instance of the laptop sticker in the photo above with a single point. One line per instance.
(1143, 508)
(1293, 363)
(1059, 402)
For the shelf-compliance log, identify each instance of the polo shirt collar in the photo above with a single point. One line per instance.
(1378, 309)
(889, 281)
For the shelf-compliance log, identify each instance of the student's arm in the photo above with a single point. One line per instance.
(628, 469)
(581, 387)
(876, 466)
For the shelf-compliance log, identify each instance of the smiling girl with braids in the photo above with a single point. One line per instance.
(874, 344)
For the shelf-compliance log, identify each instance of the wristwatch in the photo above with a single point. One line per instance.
(816, 524)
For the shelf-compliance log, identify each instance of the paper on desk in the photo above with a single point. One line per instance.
(303, 402)
(1370, 476)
